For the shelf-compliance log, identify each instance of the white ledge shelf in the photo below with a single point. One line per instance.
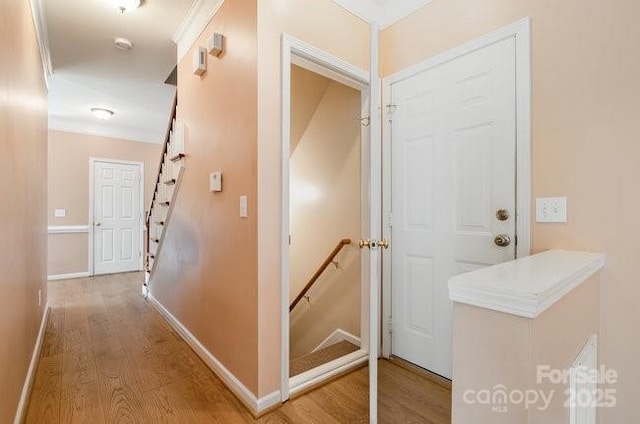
(528, 286)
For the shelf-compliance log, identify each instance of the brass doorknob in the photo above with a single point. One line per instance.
(384, 243)
(364, 243)
(502, 240)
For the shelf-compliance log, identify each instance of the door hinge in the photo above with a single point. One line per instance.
(391, 109)
(390, 326)
(140, 254)
(390, 219)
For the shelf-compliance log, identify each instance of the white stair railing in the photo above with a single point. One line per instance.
(164, 195)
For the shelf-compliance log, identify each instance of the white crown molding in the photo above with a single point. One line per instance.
(384, 13)
(196, 20)
(528, 286)
(68, 229)
(80, 127)
(42, 36)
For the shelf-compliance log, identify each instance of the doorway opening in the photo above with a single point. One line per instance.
(326, 210)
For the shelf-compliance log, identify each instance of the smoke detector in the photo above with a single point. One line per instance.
(123, 43)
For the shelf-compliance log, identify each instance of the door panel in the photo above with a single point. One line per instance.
(117, 217)
(453, 166)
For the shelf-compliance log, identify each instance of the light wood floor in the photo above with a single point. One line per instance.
(108, 357)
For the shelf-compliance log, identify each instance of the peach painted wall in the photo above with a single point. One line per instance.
(307, 89)
(207, 269)
(23, 137)
(68, 185)
(67, 253)
(586, 98)
(493, 348)
(325, 208)
(331, 28)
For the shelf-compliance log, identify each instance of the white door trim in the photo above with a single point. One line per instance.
(375, 192)
(295, 51)
(92, 162)
(521, 30)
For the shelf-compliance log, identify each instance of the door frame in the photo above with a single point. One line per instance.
(297, 52)
(92, 163)
(521, 31)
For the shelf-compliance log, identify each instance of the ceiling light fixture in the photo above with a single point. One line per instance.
(126, 5)
(101, 113)
(123, 43)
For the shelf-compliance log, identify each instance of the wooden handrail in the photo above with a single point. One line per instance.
(165, 146)
(319, 272)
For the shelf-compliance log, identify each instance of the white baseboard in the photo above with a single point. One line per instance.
(269, 401)
(337, 336)
(33, 365)
(255, 405)
(68, 276)
(324, 372)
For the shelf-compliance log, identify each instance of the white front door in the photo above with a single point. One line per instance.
(117, 217)
(453, 167)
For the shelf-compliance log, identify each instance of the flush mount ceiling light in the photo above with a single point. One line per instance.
(101, 113)
(126, 5)
(123, 43)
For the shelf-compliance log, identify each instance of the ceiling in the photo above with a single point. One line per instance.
(89, 71)
(384, 12)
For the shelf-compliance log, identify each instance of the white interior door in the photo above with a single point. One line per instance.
(453, 167)
(117, 217)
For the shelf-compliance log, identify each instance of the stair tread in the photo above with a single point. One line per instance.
(321, 356)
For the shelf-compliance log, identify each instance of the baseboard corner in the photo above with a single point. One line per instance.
(268, 403)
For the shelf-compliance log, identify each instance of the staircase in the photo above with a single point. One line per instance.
(339, 343)
(164, 194)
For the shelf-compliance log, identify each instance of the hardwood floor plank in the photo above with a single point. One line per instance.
(167, 406)
(53, 343)
(122, 399)
(44, 405)
(81, 404)
(79, 367)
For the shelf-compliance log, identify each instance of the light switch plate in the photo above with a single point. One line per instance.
(215, 181)
(244, 208)
(551, 209)
(60, 213)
